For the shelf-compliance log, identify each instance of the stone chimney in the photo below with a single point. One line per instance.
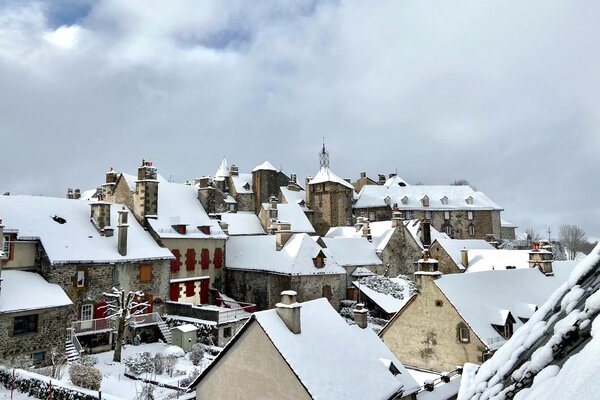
(363, 174)
(70, 194)
(293, 178)
(224, 227)
(108, 187)
(273, 213)
(464, 257)
(100, 217)
(206, 195)
(289, 311)
(122, 239)
(381, 179)
(233, 171)
(145, 198)
(77, 194)
(361, 315)
(426, 232)
(366, 230)
(427, 270)
(283, 234)
(541, 259)
(397, 219)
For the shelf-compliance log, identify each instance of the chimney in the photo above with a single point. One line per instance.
(77, 194)
(464, 257)
(541, 259)
(396, 219)
(206, 195)
(122, 240)
(289, 311)
(363, 174)
(282, 235)
(293, 178)
(273, 213)
(1, 249)
(381, 180)
(427, 270)
(69, 193)
(233, 171)
(361, 315)
(101, 217)
(426, 232)
(366, 230)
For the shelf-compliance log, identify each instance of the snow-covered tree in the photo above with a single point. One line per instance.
(122, 306)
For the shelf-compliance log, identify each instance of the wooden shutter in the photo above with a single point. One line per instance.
(218, 257)
(204, 291)
(205, 255)
(190, 259)
(189, 289)
(100, 310)
(149, 300)
(145, 273)
(176, 263)
(174, 292)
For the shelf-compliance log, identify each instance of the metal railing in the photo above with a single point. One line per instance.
(141, 319)
(93, 325)
(234, 314)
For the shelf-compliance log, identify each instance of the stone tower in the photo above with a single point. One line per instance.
(266, 181)
(145, 198)
(330, 197)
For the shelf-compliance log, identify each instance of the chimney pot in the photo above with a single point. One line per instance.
(363, 174)
(289, 311)
(122, 227)
(361, 315)
(464, 257)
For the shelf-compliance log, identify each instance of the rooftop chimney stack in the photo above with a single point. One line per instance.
(464, 257)
(366, 230)
(361, 315)
(101, 217)
(427, 270)
(2, 255)
(396, 219)
(233, 171)
(273, 213)
(70, 194)
(283, 234)
(541, 259)
(363, 174)
(122, 240)
(426, 232)
(289, 311)
(381, 180)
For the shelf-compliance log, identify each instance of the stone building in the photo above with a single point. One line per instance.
(461, 318)
(305, 351)
(266, 181)
(292, 213)
(452, 254)
(458, 211)
(260, 267)
(86, 248)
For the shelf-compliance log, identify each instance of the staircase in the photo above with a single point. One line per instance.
(166, 332)
(72, 347)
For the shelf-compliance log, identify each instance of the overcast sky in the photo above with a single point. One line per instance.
(505, 94)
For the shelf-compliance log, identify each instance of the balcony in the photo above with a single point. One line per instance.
(93, 326)
(140, 320)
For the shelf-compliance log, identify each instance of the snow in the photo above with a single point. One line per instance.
(361, 272)
(485, 298)
(241, 180)
(186, 328)
(327, 175)
(328, 356)
(223, 170)
(381, 233)
(395, 180)
(14, 297)
(179, 201)
(266, 166)
(292, 196)
(505, 224)
(77, 240)
(259, 253)
(529, 353)
(454, 247)
(486, 260)
(374, 196)
(390, 294)
(352, 251)
(242, 223)
(293, 214)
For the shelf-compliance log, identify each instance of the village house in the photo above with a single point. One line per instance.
(260, 267)
(272, 212)
(458, 211)
(305, 351)
(452, 254)
(461, 318)
(87, 248)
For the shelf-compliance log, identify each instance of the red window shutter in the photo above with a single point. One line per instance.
(204, 291)
(218, 257)
(205, 258)
(150, 300)
(100, 310)
(174, 292)
(189, 289)
(190, 259)
(176, 263)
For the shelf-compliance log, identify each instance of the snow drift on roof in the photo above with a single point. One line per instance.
(242, 183)
(17, 290)
(327, 175)
(223, 170)
(454, 246)
(266, 166)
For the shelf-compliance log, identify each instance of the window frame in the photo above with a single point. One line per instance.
(462, 334)
(80, 279)
(30, 324)
(87, 312)
(471, 229)
(470, 215)
(447, 215)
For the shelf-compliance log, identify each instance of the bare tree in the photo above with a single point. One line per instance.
(573, 238)
(122, 307)
(532, 235)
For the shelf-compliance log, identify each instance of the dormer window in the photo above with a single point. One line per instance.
(444, 200)
(246, 186)
(204, 229)
(505, 330)
(387, 200)
(469, 200)
(319, 260)
(425, 201)
(180, 228)
(404, 200)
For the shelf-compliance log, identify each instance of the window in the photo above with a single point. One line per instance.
(371, 215)
(204, 258)
(428, 214)
(227, 332)
(444, 200)
(469, 200)
(448, 230)
(176, 263)
(462, 333)
(319, 260)
(80, 279)
(505, 330)
(446, 215)
(25, 324)
(471, 230)
(86, 312)
(190, 259)
(38, 357)
(407, 214)
(145, 273)
(7, 247)
(425, 201)
(218, 257)
(404, 200)
(327, 292)
(470, 215)
(190, 289)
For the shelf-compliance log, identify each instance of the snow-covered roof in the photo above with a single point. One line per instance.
(76, 240)
(327, 175)
(441, 197)
(243, 223)
(485, 298)
(293, 196)
(395, 181)
(18, 287)
(266, 166)
(328, 356)
(223, 170)
(414, 228)
(242, 183)
(529, 367)
(487, 260)
(178, 204)
(505, 224)
(293, 214)
(454, 246)
(352, 251)
(382, 296)
(381, 232)
(259, 253)
(361, 272)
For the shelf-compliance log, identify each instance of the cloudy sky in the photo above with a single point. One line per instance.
(505, 94)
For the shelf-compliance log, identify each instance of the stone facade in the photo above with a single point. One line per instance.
(424, 334)
(332, 205)
(264, 289)
(446, 264)
(399, 254)
(51, 332)
(266, 183)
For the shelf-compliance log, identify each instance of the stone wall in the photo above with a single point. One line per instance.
(266, 183)
(446, 264)
(51, 332)
(400, 254)
(332, 205)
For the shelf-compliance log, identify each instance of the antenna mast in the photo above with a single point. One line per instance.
(324, 156)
